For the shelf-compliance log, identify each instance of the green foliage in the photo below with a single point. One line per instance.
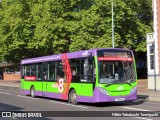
(31, 28)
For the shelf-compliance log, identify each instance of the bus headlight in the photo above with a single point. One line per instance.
(133, 89)
(102, 90)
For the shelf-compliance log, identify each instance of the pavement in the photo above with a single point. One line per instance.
(143, 91)
(13, 83)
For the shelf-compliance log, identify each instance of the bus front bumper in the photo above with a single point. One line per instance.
(100, 97)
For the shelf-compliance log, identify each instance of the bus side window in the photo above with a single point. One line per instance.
(90, 70)
(51, 71)
(86, 70)
(33, 70)
(75, 69)
(27, 68)
(45, 71)
(39, 72)
(59, 71)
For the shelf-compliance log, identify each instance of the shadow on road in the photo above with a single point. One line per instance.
(144, 98)
(6, 107)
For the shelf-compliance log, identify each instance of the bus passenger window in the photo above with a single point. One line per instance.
(74, 76)
(73, 72)
(39, 74)
(33, 70)
(59, 71)
(51, 71)
(75, 69)
(45, 76)
(45, 71)
(27, 68)
(87, 70)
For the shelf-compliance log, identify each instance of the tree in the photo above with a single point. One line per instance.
(133, 19)
(32, 28)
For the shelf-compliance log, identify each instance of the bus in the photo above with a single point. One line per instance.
(91, 76)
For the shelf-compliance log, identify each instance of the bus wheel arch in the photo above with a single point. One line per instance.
(72, 96)
(32, 91)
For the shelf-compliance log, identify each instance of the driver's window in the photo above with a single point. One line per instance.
(119, 70)
(106, 70)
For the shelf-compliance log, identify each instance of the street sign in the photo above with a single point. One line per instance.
(150, 38)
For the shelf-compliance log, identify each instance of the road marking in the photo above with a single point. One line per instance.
(15, 89)
(5, 93)
(26, 97)
(10, 85)
(135, 109)
(143, 118)
(69, 104)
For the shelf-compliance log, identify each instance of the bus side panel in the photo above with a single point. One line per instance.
(22, 84)
(52, 87)
(26, 86)
(84, 91)
(52, 90)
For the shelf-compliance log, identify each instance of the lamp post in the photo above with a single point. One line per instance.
(112, 26)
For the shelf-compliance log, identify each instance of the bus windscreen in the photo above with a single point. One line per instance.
(115, 66)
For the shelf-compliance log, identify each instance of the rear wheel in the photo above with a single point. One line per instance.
(32, 92)
(73, 97)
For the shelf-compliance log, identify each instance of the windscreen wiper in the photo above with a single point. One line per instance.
(111, 83)
(108, 84)
(128, 83)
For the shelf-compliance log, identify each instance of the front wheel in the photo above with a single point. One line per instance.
(73, 97)
(32, 92)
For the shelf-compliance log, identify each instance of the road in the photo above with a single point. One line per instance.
(12, 100)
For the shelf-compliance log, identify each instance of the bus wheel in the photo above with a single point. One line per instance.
(32, 92)
(73, 97)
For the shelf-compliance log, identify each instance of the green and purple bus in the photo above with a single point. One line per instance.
(97, 75)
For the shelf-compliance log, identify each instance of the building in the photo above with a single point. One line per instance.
(153, 49)
(8, 73)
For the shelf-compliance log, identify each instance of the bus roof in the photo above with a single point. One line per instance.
(78, 54)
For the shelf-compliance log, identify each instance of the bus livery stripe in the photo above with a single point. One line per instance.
(67, 70)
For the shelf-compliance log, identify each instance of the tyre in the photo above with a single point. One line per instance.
(32, 92)
(72, 97)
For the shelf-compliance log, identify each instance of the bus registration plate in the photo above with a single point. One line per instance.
(119, 99)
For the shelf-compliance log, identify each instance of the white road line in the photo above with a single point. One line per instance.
(10, 85)
(26, 97)
(69, 104)
(15, 89)
(5, 93)
(135, 109)
(143, 118)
